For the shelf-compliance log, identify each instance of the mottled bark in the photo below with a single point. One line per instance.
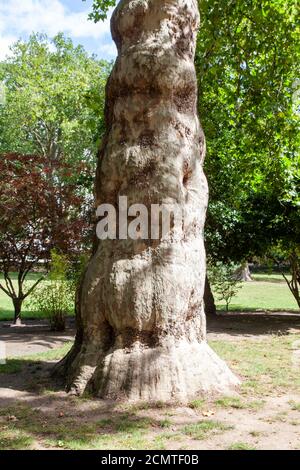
(143, 330)
(209, 301)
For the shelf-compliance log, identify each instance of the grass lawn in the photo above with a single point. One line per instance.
(6, 306)
(266, 292)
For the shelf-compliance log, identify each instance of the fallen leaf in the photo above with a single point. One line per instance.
(12, 418)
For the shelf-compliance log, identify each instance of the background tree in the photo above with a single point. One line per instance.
(223, 279)
(54, 100)
(53, 111)
(247, 67)
(40, 208)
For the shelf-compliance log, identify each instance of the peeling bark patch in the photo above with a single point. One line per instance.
(187, 173)
(185, 99)
(147, 138)
(144, 174)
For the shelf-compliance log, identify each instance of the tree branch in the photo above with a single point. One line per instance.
(6, 291)
(33, 287)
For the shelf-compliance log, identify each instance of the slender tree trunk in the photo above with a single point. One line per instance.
(243, 273)
(209, 301)
(17, 306)
(143, 329)
(294, 282)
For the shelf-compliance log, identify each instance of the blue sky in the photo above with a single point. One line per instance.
(20, 18)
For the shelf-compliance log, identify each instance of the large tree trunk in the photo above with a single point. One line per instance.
(209, 301)
(143, 330)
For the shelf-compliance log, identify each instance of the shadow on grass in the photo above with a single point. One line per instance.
(32, 373)
(57, 420)
(7, 314)
(63, 425)
(60, 421)
(252, 324)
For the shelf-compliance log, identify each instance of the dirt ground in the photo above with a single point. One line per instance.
(33, 337)
(42, 416)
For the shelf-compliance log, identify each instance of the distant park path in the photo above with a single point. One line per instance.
(35, 336)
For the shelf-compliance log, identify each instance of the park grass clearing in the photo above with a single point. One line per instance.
(265, 365)
(268, 292)
(267, 403)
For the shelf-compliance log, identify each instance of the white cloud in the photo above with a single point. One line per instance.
(20, 18)
(5, 43)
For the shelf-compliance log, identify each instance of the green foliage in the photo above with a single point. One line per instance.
(77, 268)
(247, 66)
(223, 280)
(100, 9)
(55, 297)
(54, 102)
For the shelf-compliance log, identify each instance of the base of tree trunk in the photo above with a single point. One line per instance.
(175, 370)
(17, 323)
(243, 273)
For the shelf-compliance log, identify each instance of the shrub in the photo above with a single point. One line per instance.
(55, 296)
(222, 278)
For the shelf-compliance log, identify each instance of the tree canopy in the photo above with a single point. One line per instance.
(247, 63)
(51, 123)
(54, 100)
(100, 9)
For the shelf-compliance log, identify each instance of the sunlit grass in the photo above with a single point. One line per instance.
(240, 446)
(203, 429)
(266, 365)
(266, 292)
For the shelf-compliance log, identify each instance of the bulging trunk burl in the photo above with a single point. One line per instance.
(142, 330)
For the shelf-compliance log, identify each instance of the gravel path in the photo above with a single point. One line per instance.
(33, 338)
